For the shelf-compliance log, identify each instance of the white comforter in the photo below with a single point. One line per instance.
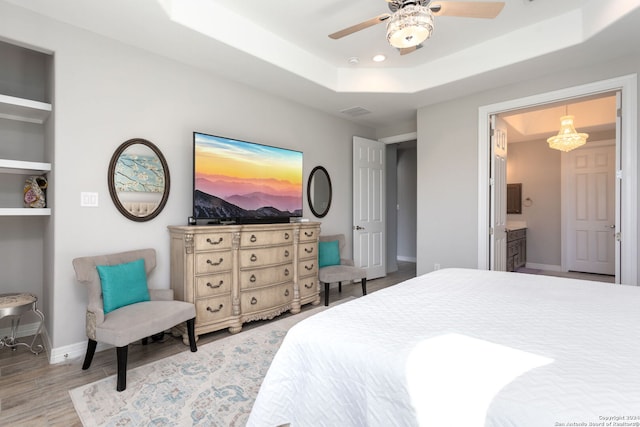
(466, 348)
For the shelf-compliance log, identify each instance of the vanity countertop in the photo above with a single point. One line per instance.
(516, 225)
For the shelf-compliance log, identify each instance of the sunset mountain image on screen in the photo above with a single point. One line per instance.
(245, 181)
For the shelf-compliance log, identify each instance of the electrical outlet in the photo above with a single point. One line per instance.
(436, 266)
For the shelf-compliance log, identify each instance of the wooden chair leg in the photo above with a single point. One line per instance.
(326, 294)
(364, 286)
(121, 356)
(339, 286)
(88, 357)
(191, 323)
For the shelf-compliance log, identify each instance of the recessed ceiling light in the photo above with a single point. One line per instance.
(353, 60)
(379, 58)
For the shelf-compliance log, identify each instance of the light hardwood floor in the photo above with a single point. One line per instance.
(35, 393)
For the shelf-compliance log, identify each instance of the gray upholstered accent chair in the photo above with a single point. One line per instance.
(346, 271)
(133, 322)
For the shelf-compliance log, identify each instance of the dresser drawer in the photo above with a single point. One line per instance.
(213, 284)
(261, 238)
(213, 309)
(265, 276)
(308, 268)
(209, 241)
(309, 234)
(256, 257)
(213, 262)
(307, 250)
(266, 298)
(308, 286)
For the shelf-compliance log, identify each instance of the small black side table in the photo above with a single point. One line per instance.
(15, 305)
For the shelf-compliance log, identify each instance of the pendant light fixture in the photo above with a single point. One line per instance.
(567, 138)
(410, 25)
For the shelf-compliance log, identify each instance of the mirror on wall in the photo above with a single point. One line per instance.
(138, 180)
(514, 198)
(319, 191)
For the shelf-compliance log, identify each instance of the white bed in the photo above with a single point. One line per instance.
(460, 347)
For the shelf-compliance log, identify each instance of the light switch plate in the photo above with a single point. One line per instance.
(88, 199)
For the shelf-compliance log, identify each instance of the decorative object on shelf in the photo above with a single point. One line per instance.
(567, 138)
(319, 191)
(34, 192)
(139, 180)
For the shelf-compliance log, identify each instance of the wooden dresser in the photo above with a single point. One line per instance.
(239, 273)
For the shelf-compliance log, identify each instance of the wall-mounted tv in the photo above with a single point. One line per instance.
(244, 182)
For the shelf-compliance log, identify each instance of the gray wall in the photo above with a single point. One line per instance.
(537, 167)
(107, 93)
(407, 213)
(448, 163)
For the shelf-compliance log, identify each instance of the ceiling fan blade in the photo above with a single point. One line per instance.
(467, 9)
(408, 50)
(361, 26)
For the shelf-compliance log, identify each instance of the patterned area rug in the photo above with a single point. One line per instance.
(216, 386)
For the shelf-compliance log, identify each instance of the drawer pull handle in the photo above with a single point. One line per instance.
(286, 236)
(211, 242)
(308, 285)
(215, 263)
(286, 271)
(286, 254)
(286, 293)
(253, 258)
(308, 233)
(252, 279)
(253, 238)
(308, 268)
(215, 286)
(215, 310)
(308, 250)
(254, 301)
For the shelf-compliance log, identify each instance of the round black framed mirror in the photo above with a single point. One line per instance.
(319, 191)
(139, 180)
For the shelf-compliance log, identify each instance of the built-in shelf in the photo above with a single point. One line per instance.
(23, 168)
(25, 110)
(25, 211)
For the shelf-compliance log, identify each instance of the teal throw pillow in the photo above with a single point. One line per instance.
(123, 284)
(328, 253)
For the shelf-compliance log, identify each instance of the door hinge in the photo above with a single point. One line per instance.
(490, 231)
(618, 237)
(619, 174)
(619, 112)
(492, 181)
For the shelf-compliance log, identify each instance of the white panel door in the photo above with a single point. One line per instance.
(369, 243)
(591, 216)
(498, 182)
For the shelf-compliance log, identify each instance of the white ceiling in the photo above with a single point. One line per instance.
(282, 46)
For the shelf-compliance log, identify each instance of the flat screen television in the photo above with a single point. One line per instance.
(244, 182)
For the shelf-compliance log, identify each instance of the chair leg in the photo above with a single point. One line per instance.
(326, 294)
(145, 341)
(364, 286)
(121, 355)
(339, 286)
(191, 323)
(88, 357)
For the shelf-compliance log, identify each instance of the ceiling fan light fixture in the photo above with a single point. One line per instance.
(409, 26)
(567, 138)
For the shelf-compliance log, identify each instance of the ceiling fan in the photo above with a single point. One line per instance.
(410, 22)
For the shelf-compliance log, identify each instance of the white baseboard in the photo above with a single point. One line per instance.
(72, 351)
(406, 258)
(547, 267)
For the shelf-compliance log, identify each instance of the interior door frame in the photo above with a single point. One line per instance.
(628, 167)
